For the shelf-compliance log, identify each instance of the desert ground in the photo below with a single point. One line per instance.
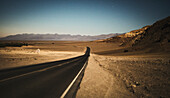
(117, 74)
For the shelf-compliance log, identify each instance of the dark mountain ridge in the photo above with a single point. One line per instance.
(152, 38)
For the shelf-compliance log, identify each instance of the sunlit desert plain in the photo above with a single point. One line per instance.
(120, 74)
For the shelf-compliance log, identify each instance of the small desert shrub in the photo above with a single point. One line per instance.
(13, 44)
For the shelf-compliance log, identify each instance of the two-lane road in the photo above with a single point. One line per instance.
(48, 80)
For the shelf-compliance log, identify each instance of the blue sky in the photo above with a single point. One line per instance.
(84, 17)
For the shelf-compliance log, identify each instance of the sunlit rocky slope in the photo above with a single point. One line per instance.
(154, 37)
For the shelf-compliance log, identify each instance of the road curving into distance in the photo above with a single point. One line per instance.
(46, 80)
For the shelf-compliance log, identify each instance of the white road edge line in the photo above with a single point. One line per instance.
(40, 70)
(71, 84)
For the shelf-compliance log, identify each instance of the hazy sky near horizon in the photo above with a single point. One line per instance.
(84, 17)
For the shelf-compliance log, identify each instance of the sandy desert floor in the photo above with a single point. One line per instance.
(49, 51)
(121, 76)
(19, 56)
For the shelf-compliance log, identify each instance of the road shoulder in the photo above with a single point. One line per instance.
(99, 83)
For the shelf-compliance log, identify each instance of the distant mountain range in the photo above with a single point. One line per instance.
(58, 37)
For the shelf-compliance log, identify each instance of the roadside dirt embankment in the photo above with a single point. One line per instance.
(100, 83)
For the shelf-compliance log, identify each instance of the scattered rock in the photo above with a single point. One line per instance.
(134, 85)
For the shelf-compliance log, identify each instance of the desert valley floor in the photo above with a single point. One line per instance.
(120, 75)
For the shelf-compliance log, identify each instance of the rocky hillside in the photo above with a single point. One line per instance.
(126, 37)
(159, 32)
(155, 37)
(134, 32)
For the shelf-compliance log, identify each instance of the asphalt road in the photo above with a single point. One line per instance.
(47, 80)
